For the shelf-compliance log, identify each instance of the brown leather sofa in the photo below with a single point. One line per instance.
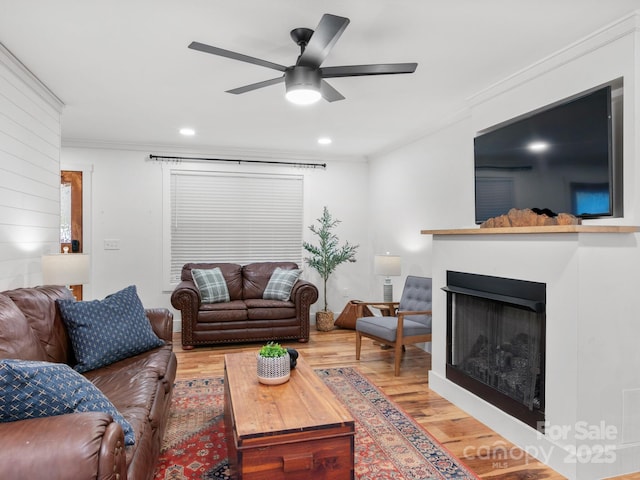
(247, 317)
(88, 445)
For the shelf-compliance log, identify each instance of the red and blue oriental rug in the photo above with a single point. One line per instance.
(389, 444)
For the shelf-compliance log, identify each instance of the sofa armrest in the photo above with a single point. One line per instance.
(186, 298)
(161, 320)
(76, 446)
(303, 295)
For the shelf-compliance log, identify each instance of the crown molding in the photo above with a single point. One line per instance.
(232, 153)
(627, 25)
(458, 115)
(14, 65)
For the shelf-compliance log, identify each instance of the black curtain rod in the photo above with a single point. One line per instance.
(271, 162)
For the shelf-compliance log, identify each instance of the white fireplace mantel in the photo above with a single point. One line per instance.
(592, 357)
(536, 229)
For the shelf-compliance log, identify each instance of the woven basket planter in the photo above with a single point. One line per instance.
(324, 321)
(273, 370)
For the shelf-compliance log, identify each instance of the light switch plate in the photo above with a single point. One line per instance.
(112, 244)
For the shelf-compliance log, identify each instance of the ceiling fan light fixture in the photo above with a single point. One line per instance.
(304, 81)
(302, 85)
(302, 95)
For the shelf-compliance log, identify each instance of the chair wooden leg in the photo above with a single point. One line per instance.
(358, 344)
(398, 358)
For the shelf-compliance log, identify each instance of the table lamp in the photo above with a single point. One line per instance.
(388, 266)
(65, 269)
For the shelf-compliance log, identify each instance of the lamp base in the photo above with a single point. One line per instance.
(387, 292)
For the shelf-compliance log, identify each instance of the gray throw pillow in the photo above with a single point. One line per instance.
(280, 284)
(211, 285)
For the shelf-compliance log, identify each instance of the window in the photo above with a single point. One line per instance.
(494, 197)
(231, 217)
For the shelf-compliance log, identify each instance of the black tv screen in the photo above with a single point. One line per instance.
(559, 158)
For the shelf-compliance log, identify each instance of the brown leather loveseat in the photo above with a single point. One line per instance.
(89, 444)
(247, 316)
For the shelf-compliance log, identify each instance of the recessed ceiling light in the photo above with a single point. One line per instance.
(538, 146)
(324, 140)
(187, 132)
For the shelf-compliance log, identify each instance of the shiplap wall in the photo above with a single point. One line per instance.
(30, 129)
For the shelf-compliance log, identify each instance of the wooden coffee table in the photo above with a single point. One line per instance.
(297, 430)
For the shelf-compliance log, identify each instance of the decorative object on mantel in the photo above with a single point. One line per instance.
(530, 217)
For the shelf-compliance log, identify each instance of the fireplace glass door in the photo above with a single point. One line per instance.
(498, 345)
(495, 344)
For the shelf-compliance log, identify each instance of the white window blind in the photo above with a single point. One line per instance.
(494, 196)
(234, 217)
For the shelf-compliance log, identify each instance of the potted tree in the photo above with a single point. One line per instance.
(325, 257)
(274, 364)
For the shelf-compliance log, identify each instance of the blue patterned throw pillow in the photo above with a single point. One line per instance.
(32, 389)
(211, 285)
(280, 284)
(105, 331)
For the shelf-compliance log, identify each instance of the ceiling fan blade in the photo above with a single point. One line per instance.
(329, 93)
(255, 86)
(376, 69)
(235, 56)
(323, 39)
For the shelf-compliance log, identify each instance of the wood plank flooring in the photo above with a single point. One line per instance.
(468, 439)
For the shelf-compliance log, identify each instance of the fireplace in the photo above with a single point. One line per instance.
(496, 342)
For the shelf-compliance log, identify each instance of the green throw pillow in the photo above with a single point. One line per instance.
(211, 285)
(280, 284)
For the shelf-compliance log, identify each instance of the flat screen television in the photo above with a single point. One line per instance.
(564, 158)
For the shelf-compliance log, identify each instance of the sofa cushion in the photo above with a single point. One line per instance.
(38, 305)
(17, 338)
(280, 284)
(34, 389)
(105, 331)
(260, 309)
(211, 285)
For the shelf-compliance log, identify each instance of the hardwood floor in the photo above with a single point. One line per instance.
(480, 448)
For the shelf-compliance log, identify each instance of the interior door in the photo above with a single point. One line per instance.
(71, 217)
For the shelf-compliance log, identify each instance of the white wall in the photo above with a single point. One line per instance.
(590, 287)
(29, 174)
(126, 204)
(426, 184)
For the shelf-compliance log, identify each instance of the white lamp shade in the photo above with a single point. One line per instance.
(387, 265)
(65, 269)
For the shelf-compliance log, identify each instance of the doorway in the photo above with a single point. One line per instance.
(71, 217)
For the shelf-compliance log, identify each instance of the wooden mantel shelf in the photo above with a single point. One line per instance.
(535, 229)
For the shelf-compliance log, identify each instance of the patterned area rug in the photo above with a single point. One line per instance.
(388, 444)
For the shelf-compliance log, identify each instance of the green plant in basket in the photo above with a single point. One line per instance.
(328, 254)
(273, 350)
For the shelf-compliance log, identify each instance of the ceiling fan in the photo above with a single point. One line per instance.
(305, 81)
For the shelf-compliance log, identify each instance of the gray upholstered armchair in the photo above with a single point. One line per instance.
(409, 323)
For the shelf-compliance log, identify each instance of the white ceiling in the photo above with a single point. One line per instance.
(125, 74)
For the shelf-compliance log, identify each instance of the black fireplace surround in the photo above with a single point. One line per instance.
(496, 341)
